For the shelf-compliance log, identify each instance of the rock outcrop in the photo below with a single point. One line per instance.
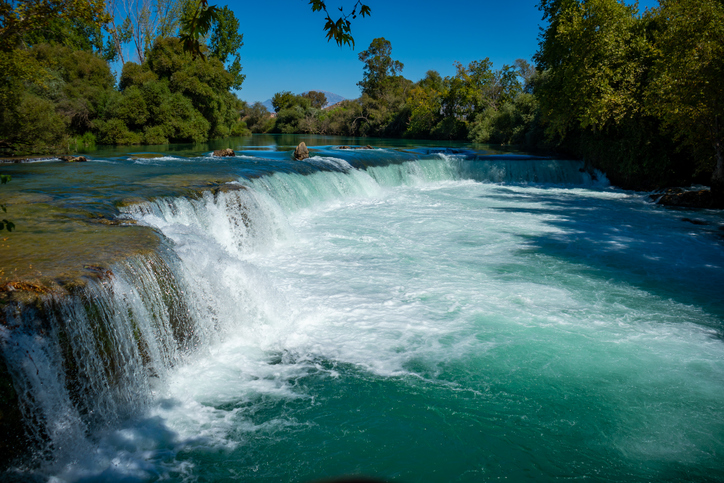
(355, 147)
(73, 159)
(302, 152)
(682, 198)
(224, 152)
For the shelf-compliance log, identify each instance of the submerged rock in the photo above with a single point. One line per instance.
(73, 159)
(224, 152)
(302, 152)
(355, 147)
(696, 222)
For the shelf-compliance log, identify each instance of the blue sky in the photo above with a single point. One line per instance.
(285, 47)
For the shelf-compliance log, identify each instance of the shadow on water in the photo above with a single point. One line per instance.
(676, 255)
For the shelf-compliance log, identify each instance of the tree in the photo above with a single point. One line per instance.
(425, 104)
(595, 61)
(282, 100)
(318, 99)
(118, 34)
(527, 72)
(20, 17)
(688, 91)
(595, 52)
(514, 123)
(173, 97)
(148, 19)
(468, 92)
(379, 67)
(225, 43)
(257, 117)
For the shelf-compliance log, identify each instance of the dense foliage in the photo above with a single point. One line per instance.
(62, 95)
(638, 95)
(393, 106)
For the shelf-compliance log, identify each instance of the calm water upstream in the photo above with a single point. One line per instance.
(414, 313)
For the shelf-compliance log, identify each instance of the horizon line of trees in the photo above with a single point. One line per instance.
(180, 64)
(638, 95)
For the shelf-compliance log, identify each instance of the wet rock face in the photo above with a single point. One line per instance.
(301, 152)
(224, 152)
(14, 441)
(73, 159)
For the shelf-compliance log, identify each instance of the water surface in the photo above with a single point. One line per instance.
(406, 313)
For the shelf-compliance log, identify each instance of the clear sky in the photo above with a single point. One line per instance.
(285, 47)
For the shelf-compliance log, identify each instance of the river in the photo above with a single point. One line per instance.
(415, 312)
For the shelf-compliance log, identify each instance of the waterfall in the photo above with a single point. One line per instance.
(82, 361)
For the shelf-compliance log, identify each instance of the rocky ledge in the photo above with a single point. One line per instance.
(355, 147)
(73, 159)
(228, 152)
(686, 198)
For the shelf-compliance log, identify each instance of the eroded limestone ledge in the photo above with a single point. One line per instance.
(55, 248)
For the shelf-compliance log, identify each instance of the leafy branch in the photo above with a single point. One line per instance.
(341, 29)
(194, 27)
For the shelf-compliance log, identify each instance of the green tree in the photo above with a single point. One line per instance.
(282, 100)
(468, 92)
(173, 97)
(595, 62)
(21, 17)
(515, 122)
(379, 67)
(225, 43)
(318, 99)
(258, 117)
(425, 104)
(21, 20)
(688, 90)
(596, 53)
(75, 89)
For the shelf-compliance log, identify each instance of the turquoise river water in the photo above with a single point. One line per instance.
(413, 313)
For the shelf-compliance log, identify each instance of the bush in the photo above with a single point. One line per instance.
(131, 108)
(115, 131)
(84, 142)
(37, 128)
(155, 135)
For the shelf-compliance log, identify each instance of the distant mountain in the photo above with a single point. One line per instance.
(332, 98)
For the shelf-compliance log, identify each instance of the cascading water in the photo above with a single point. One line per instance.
(440, 319)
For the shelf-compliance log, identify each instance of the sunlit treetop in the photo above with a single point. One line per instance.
(18, 17)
